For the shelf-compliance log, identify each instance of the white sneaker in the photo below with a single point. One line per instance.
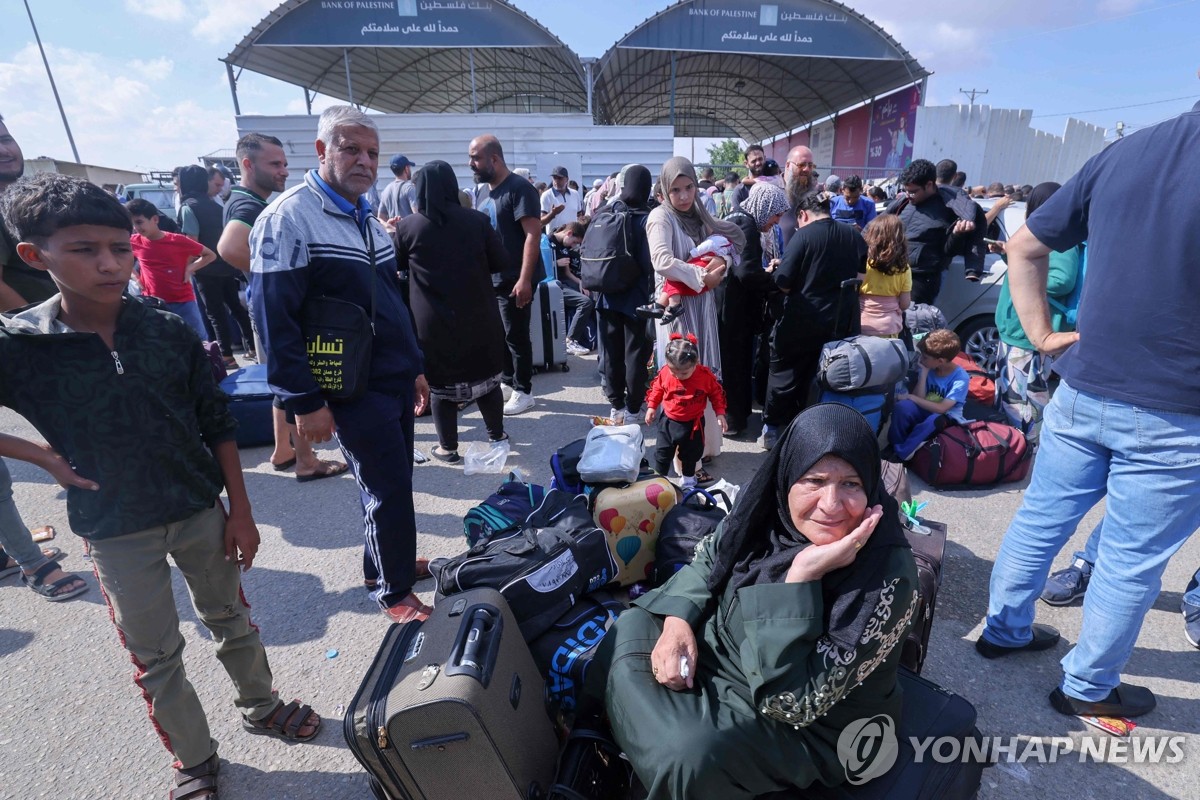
(633, 417)
(576, 349)
(687, 483)
(617, 415)
(519, 403)
(506, 392)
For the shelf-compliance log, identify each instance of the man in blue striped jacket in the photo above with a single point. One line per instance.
(321, 239)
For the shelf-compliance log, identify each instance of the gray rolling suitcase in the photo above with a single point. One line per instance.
(548, 327)
(452, 708)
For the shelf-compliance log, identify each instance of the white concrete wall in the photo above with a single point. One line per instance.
(601, 150)
(999, 144)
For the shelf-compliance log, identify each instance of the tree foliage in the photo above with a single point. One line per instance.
(726, 153)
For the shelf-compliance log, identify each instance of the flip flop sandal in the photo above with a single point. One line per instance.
(329, 469)
(199, 786)
(37, 582)
(50, 553)
(291, 462)
(284, 722)
(421, 569)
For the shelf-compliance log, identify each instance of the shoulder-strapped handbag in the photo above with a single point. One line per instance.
(338, 336)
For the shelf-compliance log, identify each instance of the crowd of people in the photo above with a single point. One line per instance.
(732, 289)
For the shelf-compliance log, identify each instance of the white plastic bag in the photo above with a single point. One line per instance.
(483, 458)
(611, 454)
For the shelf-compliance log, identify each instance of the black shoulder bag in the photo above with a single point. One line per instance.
(338, 336)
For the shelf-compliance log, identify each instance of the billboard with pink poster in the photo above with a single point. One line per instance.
(850, 144)
(893, 119)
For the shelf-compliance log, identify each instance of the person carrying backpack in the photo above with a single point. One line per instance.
(615, 260)
(1024, 383)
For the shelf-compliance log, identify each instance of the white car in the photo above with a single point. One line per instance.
(970, 308)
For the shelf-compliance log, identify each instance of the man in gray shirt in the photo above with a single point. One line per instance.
(398, 197)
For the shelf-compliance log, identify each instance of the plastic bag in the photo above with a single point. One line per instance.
(611, 454)
(481, 459)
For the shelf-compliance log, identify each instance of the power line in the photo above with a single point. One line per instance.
(1117, 108)
(972, 93)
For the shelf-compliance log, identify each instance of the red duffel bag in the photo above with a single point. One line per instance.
(973, 454)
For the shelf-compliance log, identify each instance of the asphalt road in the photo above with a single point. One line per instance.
(73, 724)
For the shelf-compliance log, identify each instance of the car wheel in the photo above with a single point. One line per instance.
(981, 341)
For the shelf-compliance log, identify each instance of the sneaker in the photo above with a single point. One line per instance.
(506, 392)
(1191, 622)
(576, 349)
(617, 415)
(519, 403)
(770, 435)
(633, 417)
(1067, 585)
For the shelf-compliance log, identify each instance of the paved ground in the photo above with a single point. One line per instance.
(73, 725)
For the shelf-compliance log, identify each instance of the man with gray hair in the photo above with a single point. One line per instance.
(321, 239)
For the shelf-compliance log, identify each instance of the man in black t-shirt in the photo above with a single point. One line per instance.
(20, 284)
(515, 208)
(264, 171)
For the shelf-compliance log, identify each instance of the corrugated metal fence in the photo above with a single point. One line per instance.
(998, 144)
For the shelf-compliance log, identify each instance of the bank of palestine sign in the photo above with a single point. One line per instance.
(791, 28)
(405, 23)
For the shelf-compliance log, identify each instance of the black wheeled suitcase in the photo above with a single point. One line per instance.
(548, 327)
(928, 712)
(928, 551)
(452, 708)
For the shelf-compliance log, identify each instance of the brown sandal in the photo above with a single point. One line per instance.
(197, 783)
(285, 722)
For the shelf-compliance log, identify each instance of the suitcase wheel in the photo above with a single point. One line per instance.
(566, 367)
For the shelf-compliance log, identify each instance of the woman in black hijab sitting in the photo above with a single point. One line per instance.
(451, 253)
(735, 679)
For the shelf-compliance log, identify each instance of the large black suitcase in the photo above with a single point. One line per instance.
(928, 551)
(452, 708)
(928, 711)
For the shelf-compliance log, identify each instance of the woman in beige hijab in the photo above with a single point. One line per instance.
(673, 229)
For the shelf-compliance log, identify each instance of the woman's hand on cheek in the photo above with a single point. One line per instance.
(817, 560)
(675, 646)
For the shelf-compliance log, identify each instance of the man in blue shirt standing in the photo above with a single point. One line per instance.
(321, 239)
(1126, 420)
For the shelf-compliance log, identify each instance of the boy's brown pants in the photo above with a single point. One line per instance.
(136, 580)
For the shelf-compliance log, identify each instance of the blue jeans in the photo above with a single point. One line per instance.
(1148, 463)
(190, 313)
(1191, 595)
(911, 427)
(15, 538)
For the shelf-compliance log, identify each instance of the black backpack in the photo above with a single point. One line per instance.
(607, 255)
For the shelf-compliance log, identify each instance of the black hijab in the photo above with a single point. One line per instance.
(437, 190)
(1040, 194)
(759, 540)
(193, 182)
(636, 182)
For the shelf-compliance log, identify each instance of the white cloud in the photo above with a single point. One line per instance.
(122, 114)
(230, 20)
(165, 10)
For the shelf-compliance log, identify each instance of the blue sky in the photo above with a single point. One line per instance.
(144, 89)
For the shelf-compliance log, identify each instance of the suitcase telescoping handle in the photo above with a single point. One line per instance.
(477, 644)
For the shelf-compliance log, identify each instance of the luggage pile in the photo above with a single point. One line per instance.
(479, 699)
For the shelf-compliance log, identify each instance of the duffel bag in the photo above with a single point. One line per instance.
(862, 362)
(541, 568)
(504, 510)
(874, 404)
(611, 454)
(923, 318)
(974, 454)
(695, 516)
(591, 768)
(630, 516)
(564, 653)
(564, 467)
(982, 388)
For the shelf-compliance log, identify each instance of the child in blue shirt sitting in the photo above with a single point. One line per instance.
(850, 207)
(941, 390)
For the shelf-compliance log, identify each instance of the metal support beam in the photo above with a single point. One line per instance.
(349, 85)
(307, 101)
(474, 97)
(870, 130)
(237, 109)
(53, 86)
(589, 65)
(673, 91)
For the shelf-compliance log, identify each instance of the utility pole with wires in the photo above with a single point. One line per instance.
(972, 93)
(53, 87)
